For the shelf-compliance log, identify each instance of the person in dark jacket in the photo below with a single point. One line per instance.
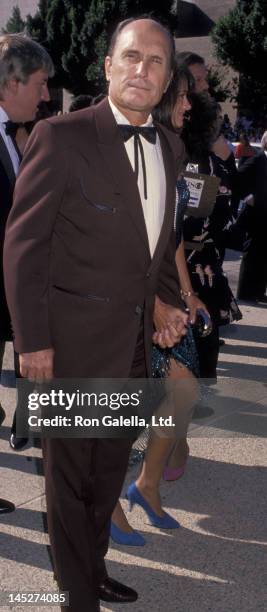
(24, 70)
(252, 179)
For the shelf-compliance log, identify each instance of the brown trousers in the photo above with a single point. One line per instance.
(84, 478)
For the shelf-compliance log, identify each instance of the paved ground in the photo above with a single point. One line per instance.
(216, 561)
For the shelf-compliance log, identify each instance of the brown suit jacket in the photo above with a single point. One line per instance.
(77, 265)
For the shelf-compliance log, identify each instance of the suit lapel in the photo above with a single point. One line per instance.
(112, 149)
(7, 163)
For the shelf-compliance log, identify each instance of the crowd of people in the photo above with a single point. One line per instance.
(243, 125)
(108, 270)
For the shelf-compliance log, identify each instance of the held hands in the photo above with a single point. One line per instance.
(37, 366)
(170, 323)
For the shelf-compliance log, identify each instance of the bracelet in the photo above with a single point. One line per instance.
(187, 293)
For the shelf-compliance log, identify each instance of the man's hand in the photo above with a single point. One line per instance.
(170, 323)
(37, 366)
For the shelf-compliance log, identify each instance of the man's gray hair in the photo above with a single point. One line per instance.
(20, 56)
(264, 141)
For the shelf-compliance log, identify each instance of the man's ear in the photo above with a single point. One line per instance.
(168, 82)
(108, 63)
(12, 86)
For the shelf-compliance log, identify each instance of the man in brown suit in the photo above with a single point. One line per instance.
(91, 240)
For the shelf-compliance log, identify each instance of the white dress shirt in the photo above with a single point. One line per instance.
(154, 206)
(8, 141)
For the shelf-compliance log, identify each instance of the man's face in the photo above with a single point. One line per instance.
(200, 74)
(139, 69)
(25, 97)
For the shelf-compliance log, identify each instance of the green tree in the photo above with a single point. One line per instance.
(15, 23)
(240, 40)
(65, 21)
(36, 25)
(76, 33)
(219, 88)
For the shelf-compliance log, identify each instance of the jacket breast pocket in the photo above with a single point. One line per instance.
(86, 296)
(102, 206)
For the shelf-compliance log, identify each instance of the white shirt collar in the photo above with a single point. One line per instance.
(13, 154)
(120, 118)
(3, 116)
(154, 206)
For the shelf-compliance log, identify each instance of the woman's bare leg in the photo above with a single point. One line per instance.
(120, 520)
(159, 447)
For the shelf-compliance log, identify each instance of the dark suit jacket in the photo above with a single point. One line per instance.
(81, 276)
(7, 184)
(252, 178)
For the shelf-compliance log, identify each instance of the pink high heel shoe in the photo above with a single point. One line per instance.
(174, 473)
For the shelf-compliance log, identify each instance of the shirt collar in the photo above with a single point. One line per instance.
(3, 115)
(120, 118)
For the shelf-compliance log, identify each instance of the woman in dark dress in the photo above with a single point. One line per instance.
(202, 281)
(167, 455)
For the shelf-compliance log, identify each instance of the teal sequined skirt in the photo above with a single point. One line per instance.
(184, 352)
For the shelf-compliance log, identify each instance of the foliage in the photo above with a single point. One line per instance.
(240, 37)
(36, 25)
(240, 40)
(219, 88)
(15, 23)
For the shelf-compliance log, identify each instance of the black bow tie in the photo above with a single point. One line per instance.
(11, 128)
(150, 134)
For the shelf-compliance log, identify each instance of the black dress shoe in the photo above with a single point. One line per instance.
(113, 591)
(6, 506)
(2, 414)
(17, 443)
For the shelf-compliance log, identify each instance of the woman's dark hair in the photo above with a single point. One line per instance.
(202, 129)
(164, 110)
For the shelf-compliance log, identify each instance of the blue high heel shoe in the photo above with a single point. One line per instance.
(163, 522)
(126, 539)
